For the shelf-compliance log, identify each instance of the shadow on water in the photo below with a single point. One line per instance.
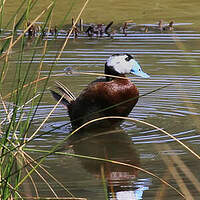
(110, 144)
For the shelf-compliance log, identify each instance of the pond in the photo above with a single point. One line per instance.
(171, 59)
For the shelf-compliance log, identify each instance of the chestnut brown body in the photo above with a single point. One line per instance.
(103, 98)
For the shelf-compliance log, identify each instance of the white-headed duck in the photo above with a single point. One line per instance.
(109, 96)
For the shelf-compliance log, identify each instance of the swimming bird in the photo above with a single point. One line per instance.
(113, 95)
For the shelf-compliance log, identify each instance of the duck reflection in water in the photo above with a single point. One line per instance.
(110, 144)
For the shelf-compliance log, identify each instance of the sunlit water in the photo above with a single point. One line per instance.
(169, 57)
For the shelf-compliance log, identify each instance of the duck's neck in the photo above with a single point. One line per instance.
(111, 71)
(108, 78)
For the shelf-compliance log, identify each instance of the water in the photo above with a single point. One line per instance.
(169, 57)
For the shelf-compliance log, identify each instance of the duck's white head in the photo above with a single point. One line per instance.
(121, 64)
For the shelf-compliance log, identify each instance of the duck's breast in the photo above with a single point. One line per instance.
(112, 98)
(123, 94)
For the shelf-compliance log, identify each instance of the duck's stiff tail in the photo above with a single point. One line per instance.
(67, 96)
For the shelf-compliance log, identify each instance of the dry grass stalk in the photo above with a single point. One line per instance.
(11, 112)
(187, 172)
(99, 74)
(162, 191)
(6, 38)
(184, 168)
(50, 175)
(2, 5)
(24, 86)
(33, 135)
(178, 178)
(142, 122)
(175, 174)
(28, 163)
(4, 107)
(11, 41)
(72, 29)
(165, 132)
(40, 67)
(43, 54)
(21, 158)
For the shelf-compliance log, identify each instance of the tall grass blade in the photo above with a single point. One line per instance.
(1, 12)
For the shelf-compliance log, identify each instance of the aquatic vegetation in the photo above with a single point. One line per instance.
(25, 79)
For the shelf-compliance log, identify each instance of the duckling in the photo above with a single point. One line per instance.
(168, 27)
(33, 29)
(124, 28)
(160, 25)
(54, 31)
(107, 28)
(113, 95)
(90, 30)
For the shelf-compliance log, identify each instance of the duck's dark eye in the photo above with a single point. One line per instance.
(129, 57)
